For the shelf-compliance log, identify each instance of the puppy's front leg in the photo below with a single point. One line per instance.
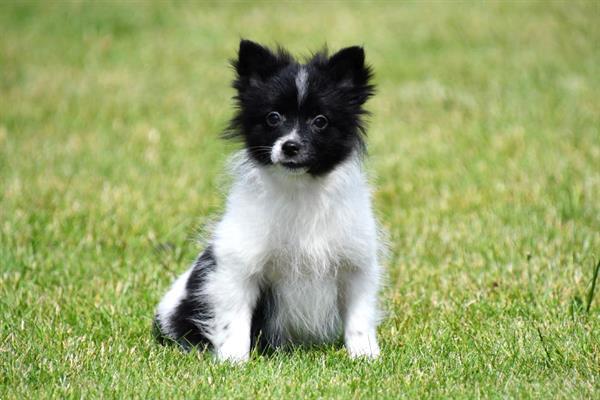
(359, 311)
(233, 298)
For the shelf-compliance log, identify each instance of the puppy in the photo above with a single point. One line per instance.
(293, 260)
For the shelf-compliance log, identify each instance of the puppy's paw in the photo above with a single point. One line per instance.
(234, 358)
(233, 352)
(361, 345)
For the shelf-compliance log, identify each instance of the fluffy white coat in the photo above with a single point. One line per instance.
(314, 241)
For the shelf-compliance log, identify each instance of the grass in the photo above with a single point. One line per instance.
(485, 155)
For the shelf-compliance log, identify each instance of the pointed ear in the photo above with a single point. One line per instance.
(348, 66)
(255, 60)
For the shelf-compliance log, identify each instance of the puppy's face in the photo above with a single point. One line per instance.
(302, 117)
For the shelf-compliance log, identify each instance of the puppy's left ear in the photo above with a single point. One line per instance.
(258, 61)
(348, 66)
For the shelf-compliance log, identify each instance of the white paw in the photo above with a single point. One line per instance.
(360, 344)
(236, 358)
(233, 352)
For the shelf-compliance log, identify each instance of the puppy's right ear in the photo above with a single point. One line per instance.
(256, 61)
(348, 65)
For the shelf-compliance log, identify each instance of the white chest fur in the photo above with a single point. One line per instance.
(297, 235)
(296, 225)
(308, 245)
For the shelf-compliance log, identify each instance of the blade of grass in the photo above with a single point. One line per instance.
(590, 296)
(548, 358)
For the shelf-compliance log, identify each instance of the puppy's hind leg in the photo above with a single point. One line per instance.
(183, 313)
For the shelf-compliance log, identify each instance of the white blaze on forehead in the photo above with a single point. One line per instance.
(301, 83)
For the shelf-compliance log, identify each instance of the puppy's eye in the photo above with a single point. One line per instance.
(274, 119)
(320, 122)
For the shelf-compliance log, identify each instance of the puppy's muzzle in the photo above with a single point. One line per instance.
(290, 148)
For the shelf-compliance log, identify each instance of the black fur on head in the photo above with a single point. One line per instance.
(302, 116)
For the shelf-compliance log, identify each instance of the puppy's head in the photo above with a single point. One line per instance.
(302, 117)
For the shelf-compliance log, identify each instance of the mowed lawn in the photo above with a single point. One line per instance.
(484, 154)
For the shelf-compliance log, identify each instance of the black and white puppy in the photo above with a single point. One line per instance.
(294, 258)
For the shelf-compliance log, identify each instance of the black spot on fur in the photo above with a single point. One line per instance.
(182, 326)
(263, 337)
(185, 332)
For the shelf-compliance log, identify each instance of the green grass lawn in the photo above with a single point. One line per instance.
(484, 153)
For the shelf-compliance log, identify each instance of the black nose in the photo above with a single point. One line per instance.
(290, 148)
